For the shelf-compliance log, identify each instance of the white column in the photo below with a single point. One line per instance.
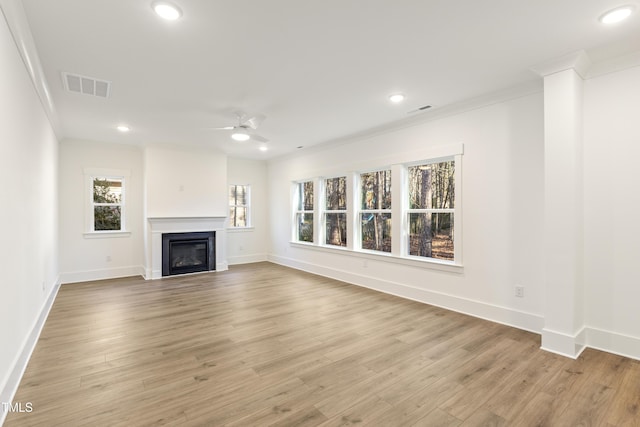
(563, 211)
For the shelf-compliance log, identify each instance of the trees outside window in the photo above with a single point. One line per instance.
(356, 212)
(375, 210)
(431, 195)
(239, 206)
(335, 222)
(107, 203)
(304, 212)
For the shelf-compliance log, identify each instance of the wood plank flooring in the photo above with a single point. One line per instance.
(262, 345)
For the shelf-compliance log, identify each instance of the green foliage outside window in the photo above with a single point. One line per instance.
(107, 204)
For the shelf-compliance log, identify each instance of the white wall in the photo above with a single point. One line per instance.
(84, 257)
(611, 214)
(249, 245)
(29, 213)
(502, 185)
(185, 182)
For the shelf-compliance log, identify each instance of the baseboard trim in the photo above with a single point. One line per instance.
(246, 259)
(564, 344)
(613, 342)
(101, 274)
(503, 315)
(20, 365)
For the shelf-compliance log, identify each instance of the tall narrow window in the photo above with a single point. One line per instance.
(431, 210)
(335, 214)
(239, 206)
(375, 211)
(304, 211)
(107, 201)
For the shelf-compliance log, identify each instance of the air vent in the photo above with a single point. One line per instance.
(426, 107)
(86, 85)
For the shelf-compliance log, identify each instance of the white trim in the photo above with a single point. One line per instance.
(398, 210)
(247, 259)
(420, 262)
(503, 315)
(578, 61)
(240, 229)
(105, 234)
(18, 24)
(8, 392)
(525, 89)
(248, 213)
(101, 274)
(90, 174)
(613, 65)
(563, 344)
(613, 342)
(156, 226)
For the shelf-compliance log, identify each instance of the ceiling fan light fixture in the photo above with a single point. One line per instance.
(166, 10)
(396, 98)
(616, 15)
(240, 135)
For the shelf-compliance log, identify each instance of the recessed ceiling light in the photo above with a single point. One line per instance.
(616, 15)
(263, 148)
(166, 10)
(396, 98)
(240, 135)
(123, 128)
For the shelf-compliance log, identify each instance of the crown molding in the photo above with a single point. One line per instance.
(16, 19)
(578, 61)
(613, 65)
(436, 113)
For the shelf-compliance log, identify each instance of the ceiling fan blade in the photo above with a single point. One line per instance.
(254, 121)
(259, 138)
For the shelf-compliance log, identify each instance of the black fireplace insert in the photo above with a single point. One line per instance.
(188, 252)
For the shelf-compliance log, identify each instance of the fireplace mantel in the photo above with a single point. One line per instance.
(156, 226)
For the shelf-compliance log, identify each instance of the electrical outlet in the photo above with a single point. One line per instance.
(520, 291)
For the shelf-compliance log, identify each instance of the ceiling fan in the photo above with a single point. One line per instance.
(243, 131)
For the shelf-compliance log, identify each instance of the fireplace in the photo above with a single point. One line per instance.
(188, 252)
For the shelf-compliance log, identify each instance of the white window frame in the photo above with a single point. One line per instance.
(399, 164)
(359, 211)
(324, 211)
(297, 211)
(407, 211)
(248, 219)
(116, 174)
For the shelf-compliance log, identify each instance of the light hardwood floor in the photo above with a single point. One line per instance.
(264, 345)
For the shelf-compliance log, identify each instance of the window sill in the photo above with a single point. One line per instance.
(240, 229)
(105, 234)
(431, 264)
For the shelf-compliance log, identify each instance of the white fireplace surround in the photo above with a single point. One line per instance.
(159, 225)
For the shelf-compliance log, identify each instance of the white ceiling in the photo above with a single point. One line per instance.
(319, 70)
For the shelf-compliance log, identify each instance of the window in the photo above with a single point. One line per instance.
(239, 206)
(304, 211)
(375, 210)
(430, 214)
(107, 203)
(335, 214)
(419, 226)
